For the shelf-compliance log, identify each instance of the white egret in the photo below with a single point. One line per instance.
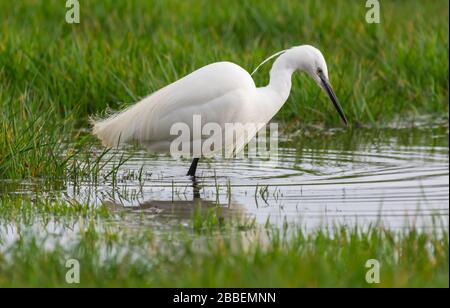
(221, 93)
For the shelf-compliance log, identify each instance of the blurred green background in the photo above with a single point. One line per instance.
(127, 49)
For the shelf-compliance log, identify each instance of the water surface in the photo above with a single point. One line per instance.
(395, 176)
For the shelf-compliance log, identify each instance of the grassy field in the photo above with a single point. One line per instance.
(54, 76)
(210, 252)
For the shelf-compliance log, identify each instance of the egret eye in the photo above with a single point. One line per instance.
(319, 71)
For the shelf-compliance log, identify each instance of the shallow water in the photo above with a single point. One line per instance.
(397, 177)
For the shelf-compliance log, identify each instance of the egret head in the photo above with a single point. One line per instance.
(310, 60)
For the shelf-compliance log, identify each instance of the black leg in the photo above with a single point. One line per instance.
(193, 167)
(195, 189)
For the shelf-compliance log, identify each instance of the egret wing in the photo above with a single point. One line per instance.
(215, 92)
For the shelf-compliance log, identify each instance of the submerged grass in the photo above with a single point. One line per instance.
(225, 255)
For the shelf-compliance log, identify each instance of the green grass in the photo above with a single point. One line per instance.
(207, 253)
(54, 75)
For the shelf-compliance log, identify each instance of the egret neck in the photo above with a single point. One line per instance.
(303, 58)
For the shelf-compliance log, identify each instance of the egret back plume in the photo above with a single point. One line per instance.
(127, 125)
(268, 59)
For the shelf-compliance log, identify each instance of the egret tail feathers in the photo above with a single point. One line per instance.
(126, 125)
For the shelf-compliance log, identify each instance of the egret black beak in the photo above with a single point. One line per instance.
(334, 100)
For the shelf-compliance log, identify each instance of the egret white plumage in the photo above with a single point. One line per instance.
(221, 93)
